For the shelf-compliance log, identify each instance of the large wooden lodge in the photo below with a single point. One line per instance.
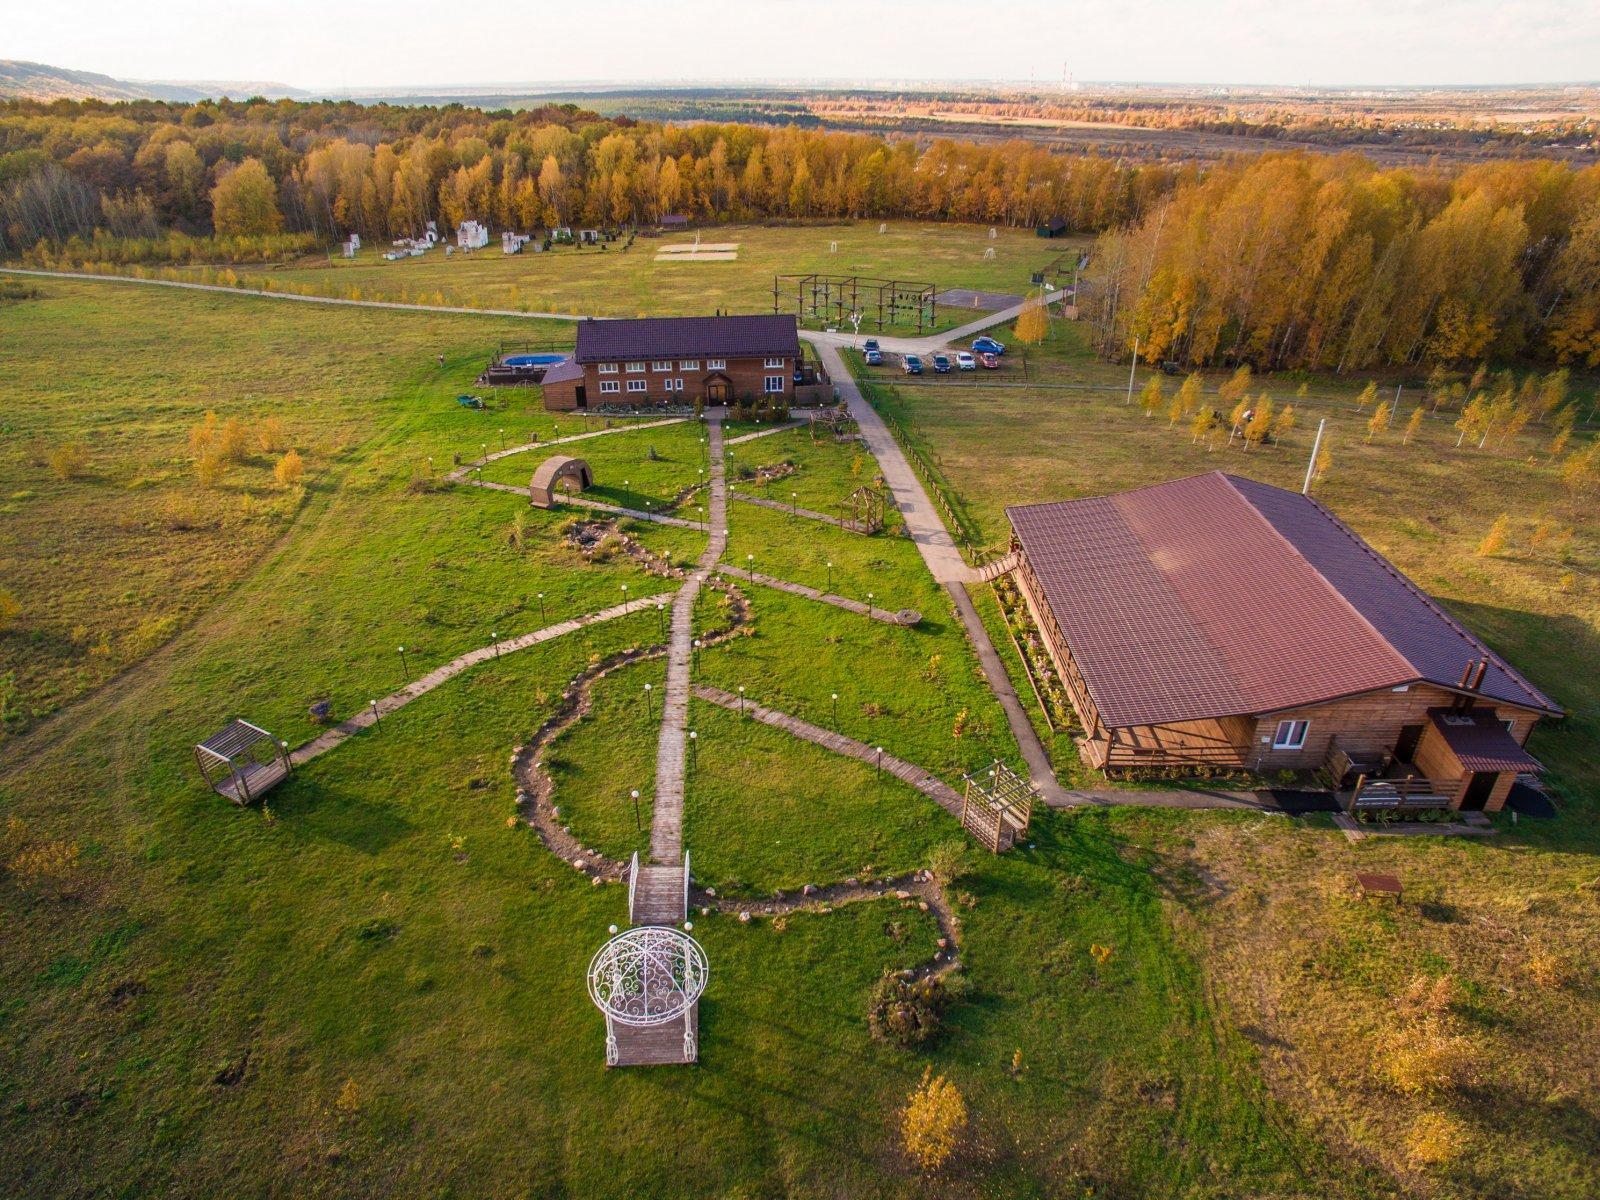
(1219, 622)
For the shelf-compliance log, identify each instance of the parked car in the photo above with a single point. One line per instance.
(911, 364)
(874, 357)
(941, 364)
(987, 345)
(965, 361)
(989, 362)
(870, 345)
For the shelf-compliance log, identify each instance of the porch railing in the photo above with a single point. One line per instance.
(1412, 792)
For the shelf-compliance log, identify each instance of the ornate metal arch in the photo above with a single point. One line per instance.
(648, 975)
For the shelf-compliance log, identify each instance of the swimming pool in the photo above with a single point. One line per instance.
(532, 360)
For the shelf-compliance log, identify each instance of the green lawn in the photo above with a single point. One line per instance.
(377, 986)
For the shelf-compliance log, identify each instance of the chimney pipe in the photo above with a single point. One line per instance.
(1477, 676)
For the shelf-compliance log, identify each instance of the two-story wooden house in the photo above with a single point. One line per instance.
(1216, 621)
(658, 361)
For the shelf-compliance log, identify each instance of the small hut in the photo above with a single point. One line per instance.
(558, 471)
(997, 806)
(242, 762)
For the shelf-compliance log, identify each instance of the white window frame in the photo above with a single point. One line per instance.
(1284, 737)
(638, 385)
(635, 368)
(608, 386)
(772, 385)
(661, 365)
(689, 364)
(716, 364)
(608, 368)
(674, 385)
(774, 363)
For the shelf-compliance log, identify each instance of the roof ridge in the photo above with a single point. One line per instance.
(1299, 556)
(1439, 610)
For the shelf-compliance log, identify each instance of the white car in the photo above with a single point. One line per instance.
(965, 361)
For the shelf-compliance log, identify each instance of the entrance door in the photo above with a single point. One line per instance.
(1478, 790)
(718, 391)
(1406, 748)
(583, 400)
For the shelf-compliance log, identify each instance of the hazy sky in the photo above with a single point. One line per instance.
(373, 43)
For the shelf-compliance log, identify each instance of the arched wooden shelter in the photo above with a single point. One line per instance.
(560, 470)
(242, 762)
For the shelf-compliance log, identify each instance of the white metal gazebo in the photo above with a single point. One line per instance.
(647, 980)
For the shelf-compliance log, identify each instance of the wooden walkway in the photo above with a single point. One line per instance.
(666, 827)
(795, 511)
(928, 784)
(395, 701)
(638, 514)
(761, 433)
(904, 616)
(461, 472)
(659, 896)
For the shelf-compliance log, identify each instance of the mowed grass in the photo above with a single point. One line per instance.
(616, 283)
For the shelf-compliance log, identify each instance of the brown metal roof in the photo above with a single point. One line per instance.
(644, 338)
(565, 371)
(1215, 596)
(1481, 741)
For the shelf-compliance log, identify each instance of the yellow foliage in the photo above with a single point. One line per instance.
(9, 610)
(1425, 1059)
(270, 436)
(1435, 1139)
(68, 460)
(348, 1102)
(1495, 540)
(1232, 392)
(233, 440)
(39, 861)
(210, 467)
(289, 469)
(1549, 969)
(933, 1121)
(1412, 425)
(1033, 322)
(1379, 421)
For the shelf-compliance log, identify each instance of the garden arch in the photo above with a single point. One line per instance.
(562, 471)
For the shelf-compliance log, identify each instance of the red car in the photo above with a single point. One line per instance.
(989, 362)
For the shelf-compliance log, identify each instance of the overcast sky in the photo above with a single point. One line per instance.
(337, 44)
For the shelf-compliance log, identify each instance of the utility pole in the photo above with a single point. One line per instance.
(1131, 368)
(1305, 488)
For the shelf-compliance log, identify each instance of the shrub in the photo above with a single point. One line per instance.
(234, 440)
(203, 437)
(1495, 540)
(1549, 969)
(271, 437)
(933, 1120)
(1435, 1139)
(905, 1012)
(210, 466)
(1427, 1060)
(9, 610)
(948, 862)
(290, 469)
(69, 460)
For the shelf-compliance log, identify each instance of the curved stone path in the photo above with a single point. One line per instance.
(638, 514)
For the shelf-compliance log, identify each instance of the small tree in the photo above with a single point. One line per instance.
(1236, 417)
(1283, 424)
(933, 1121)
(69, 460)
(1495, 540)
(1323, 465)
(1152, 397)
(1190, 393)
(1413, 424)
(1201, 425)
(1474, 420)
(1233, 390)
(1379, 421)
(234, 440)
(1260, 423)
(270, 436)
(1176, 411)
(289, 470)
(1033, 322)
(210, 468)
(1369, 395)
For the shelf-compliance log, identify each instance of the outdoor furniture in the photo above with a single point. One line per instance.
(1379, 885)
(242, 762)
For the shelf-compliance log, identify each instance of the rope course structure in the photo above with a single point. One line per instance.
(837, 298)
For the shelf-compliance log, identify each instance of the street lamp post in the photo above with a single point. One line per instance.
(741, 699)
(638, 824)
(494, 640)
(405, 669)
(830, 576)
(794, 504)
(836, 710)
(694, 748)
(542, 619)
(750, 567)
(878, 769)
(649, 707)
(661, 619)
(377, 718)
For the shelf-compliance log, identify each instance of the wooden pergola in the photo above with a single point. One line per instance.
(233, 765)
(997, 806)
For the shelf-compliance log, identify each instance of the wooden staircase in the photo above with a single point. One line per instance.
(989, 572)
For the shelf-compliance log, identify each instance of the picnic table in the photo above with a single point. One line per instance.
(1379, 885)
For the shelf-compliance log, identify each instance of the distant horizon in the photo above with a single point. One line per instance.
(370, 46)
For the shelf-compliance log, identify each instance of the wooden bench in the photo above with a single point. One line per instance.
(1379, 885)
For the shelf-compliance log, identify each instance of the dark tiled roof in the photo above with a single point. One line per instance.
(760, 335)
(1480, 740)
(565, 371)
(1214, 596)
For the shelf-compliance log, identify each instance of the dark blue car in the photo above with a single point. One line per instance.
(911, 364)
(987, 345)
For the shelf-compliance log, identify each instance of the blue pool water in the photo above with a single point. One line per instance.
(532, 360)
